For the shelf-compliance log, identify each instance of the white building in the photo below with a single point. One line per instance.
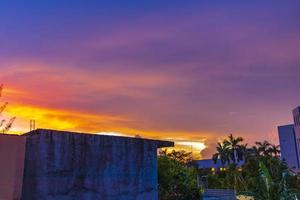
(289, 138)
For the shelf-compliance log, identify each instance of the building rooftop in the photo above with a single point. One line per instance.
(286, 126)
(160, 143)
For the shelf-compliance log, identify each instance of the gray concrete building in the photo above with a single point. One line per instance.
(75, 166)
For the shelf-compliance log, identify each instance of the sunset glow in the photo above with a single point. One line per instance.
(189, 72)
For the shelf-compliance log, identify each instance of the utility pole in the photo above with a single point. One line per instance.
(192, 151)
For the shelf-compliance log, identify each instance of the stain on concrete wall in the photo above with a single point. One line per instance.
(69, 166)
(12, 153)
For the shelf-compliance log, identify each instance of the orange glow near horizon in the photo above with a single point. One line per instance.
(69, 120)
(55, 119)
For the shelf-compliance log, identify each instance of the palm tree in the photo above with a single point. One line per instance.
(242, 152)
(235, 147)
(222, 153)
(274, 150)
(263, 148)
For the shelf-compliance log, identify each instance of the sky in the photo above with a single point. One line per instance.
(188, 71)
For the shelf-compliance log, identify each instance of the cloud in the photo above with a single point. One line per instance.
(197, 70)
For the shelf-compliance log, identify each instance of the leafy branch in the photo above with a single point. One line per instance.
(4, 125)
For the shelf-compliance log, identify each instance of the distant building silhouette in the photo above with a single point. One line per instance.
(212, 165)
(289, 138)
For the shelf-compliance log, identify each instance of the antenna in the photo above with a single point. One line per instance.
(32, 125)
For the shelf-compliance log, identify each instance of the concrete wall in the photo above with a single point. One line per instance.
(65, 166)
(12, 153)
(219, 194)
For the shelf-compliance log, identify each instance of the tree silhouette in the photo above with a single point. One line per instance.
(223, 154)
(4, 125)
(231, 150)
(235, 148)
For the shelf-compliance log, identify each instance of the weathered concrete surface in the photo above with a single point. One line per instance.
(12, 153)
(70, 166)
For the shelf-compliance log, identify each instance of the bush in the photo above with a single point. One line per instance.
(177, 181)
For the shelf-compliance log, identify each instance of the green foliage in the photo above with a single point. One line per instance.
(177, 180)
(263, 176)
(272, 180)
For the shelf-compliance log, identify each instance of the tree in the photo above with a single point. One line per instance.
(5, 126)
(231, 150)
(274, 150)
(263, 148)
(222, 154)
(177, 180)
(263, 175)
(235, 148)
(273, 188)
(182, 157)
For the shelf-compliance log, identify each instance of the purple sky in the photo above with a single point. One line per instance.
(186, 70)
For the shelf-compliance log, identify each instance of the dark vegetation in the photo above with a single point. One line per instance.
(177, 178)
(263, 176)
